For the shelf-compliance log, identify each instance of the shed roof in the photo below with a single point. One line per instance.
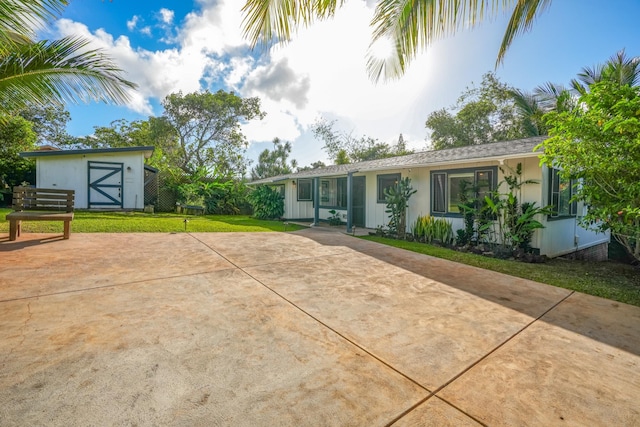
(518, 148)
(147, 150)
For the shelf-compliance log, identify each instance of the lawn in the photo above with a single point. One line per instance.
(133, 222)
(608, 279)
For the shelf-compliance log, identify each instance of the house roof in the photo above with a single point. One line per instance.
(518, 148)
(147, 150)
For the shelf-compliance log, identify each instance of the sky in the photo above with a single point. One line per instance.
(167, 46)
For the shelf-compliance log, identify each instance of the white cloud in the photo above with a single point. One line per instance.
(322, 71)
(131, 25)
(146, 31)
(166, 16)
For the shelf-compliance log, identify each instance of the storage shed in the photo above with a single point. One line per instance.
(103, 178)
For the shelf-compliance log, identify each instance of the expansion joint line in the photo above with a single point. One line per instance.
(474, 364)
(306, 313)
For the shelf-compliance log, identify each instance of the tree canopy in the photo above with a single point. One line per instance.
(274, 162)
(481, 115)
(208, 131)
(344, 148)
(598, 142)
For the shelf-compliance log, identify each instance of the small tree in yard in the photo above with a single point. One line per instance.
(397, 199)
(598, 142)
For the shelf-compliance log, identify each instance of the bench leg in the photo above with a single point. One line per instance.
(14, 229)
(67, 229)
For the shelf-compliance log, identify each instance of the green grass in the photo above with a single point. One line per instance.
(608, 279)
(134, 222)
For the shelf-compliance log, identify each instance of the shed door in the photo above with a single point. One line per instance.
(105, 185)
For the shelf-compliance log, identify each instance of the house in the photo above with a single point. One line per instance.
(103, 178)
(356, 191)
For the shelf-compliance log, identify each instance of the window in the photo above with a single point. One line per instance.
(305, 190)
(333, 193)
(560, 193)
(448, 188)
(385, 182)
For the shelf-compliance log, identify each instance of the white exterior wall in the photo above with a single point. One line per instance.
(293, 209)
(565, 235)
(557, 238)
(70, 172)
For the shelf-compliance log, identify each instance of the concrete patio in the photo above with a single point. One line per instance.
(307, 328)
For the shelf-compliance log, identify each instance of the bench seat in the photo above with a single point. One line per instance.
(37, 204)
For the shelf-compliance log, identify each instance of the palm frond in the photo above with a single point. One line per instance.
(412, 25)
(267, 20)
(59, 71)
(23, 17)
(521, 21)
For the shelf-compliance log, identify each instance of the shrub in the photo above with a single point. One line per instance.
(429, 229)
(267, 202)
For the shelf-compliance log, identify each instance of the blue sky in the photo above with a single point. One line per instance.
(166, 46)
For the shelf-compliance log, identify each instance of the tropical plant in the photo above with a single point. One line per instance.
(397, 200)
(598, 143)
(429, 229)
(51, 71)
(334, 219)
(515, 221)
(409, 25)
(267, 202)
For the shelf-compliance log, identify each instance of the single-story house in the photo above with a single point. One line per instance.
(103, 178)
(356, 191)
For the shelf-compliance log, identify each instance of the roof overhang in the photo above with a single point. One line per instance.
(146, 150)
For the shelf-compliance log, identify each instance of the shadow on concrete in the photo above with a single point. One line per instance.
(606, 321)
(6, 245)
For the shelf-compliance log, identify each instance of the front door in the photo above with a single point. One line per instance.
(105, 185)
(358, 201)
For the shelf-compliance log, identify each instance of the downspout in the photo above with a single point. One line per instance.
(349, 202)
(316, 201)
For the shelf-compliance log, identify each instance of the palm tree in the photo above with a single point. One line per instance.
(44, 72)
(618, 68)
(410, 25)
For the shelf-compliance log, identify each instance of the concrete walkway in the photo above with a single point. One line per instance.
(309, 328)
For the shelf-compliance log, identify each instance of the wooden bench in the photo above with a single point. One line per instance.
(40, 204)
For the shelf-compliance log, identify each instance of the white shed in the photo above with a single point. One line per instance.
(103, 178)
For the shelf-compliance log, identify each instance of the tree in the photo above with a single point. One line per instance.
(154, 132)
(49, 123)
(208, 129)
(51, 71)
(481, 115)
(598, 143)
(275, 162)
(409, 25)
(16, 135)
(344, 148)
(315, 165)
(554, 97)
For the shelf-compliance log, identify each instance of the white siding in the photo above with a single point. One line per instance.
(70, 172)
(557, 238)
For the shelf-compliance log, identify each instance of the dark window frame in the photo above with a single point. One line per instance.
(554, 194)
(395, 177)
(340, 193)
(303, 182)
(439, 202)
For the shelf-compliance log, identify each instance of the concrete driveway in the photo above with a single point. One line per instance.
(289, 329)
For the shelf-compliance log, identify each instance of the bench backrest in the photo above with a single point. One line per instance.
(42, 199)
